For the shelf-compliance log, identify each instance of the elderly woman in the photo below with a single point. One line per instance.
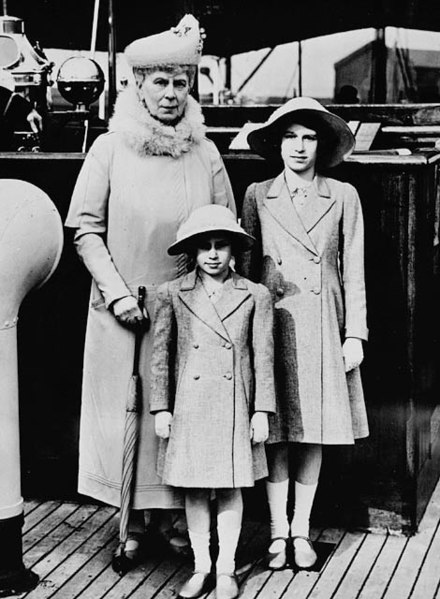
(309, 253)
(139, 182)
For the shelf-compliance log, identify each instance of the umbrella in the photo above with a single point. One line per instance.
(133, 407)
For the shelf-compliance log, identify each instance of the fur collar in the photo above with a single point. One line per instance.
(148, 136)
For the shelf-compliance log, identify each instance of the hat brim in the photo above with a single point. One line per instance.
(239, 239)
(336, 138)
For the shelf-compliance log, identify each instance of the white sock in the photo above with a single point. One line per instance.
(227, 546)
(279, 525)
(200, 547)
(304, 496)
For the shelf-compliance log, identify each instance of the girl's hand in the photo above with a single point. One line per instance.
(259, 427)
(126, 310)
(162, 424)
(353, 353)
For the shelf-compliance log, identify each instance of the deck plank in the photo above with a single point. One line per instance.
(30, 505)
(51, 549)
(383, 569)
(38, 514)
(428, 580)
(88, 574)
(407, 571)
(303, 582)
(360, 568)
(45, 527)
(151, 585)
(337, 566)
(79, 548)
(71, 546)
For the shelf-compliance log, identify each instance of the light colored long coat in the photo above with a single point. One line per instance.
(222, 355)
(313, 266)
(135, 201)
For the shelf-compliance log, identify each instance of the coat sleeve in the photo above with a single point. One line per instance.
(352, 266)
(222, 188)
(263, 351)
(88, 216)
(163, 356)
(250, 263)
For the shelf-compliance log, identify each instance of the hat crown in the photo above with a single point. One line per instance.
(180, 45)
(210, 218)
(294, 104)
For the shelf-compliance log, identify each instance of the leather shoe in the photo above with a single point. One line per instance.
(277, 560)
(195, 586)
(226, 586)
(304, 556)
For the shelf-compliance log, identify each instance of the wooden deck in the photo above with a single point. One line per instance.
(70, 547)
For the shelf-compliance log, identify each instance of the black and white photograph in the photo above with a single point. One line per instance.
(220, 299)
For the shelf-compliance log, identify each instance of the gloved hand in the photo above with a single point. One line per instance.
(35, 121)
(353, 353)
(126, 310)
(259, 427)
(162, 424)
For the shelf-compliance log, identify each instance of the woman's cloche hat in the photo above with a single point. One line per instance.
(180, 45)
(212, 218)
(336, 138)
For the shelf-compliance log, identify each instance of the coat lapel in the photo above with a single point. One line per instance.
(280, 206)
(317, 205)
(235, 292)
(194, 296)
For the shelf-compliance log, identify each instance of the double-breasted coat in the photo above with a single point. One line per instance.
(313, 267)
(212, 367)
(139, 182)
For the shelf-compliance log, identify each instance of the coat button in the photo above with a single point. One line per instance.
(196, 377)
(228, 345)
(316, 290)
(280, 291)
(316, 259)
(196, 346)
(228, 376)
(279, 261)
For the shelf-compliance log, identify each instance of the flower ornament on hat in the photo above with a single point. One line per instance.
(335, 139)
(180, 45)
(212, 218)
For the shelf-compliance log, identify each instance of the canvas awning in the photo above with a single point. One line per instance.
(232, 26)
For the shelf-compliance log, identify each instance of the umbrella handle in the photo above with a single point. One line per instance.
(139, 331)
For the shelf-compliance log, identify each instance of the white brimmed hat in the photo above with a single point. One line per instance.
(211, 218)
(180, 45)
(337, 140)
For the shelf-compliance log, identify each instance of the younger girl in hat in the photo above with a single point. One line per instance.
(212, 387)
(309, 252)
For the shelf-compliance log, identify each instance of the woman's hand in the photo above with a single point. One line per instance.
(259, 427)
(126, 310)
(353, 353)
(162, 424)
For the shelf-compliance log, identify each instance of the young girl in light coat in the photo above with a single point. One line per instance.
(212, 388)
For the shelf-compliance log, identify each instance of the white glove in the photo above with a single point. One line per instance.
(162, 424)
(353, 353)
(259, 427)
